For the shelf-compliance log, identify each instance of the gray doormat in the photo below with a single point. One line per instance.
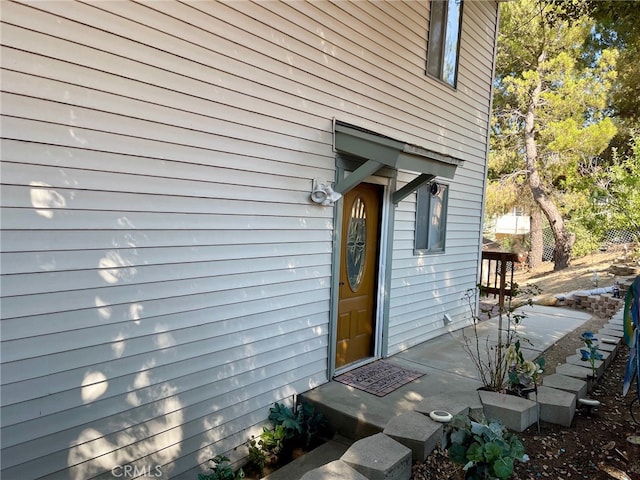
(378, 378)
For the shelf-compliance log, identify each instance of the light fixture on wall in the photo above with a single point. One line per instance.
(324, 194)
(434, 188)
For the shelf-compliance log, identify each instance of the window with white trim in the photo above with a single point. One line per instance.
(444, 40)
(431, 217)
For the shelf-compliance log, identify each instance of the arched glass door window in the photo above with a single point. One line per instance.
(356, 243)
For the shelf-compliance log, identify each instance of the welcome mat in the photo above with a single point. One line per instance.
(378, 378)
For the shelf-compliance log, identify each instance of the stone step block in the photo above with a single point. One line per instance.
(379, 457)
(556, 406)
(415, 431)
(336, 470)
(513, 412)
(577, 360)
(568, 384)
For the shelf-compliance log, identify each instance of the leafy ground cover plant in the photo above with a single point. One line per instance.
(298, 427)
(486, 450)
(221, 470)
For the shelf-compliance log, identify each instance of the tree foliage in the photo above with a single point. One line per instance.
(615, 192)
(550, 113)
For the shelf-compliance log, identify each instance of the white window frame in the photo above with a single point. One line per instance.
(443, 48)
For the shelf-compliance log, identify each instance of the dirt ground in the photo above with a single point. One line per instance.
(595, 447)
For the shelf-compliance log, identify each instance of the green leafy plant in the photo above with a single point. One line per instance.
(292, 427)
(486, 450)
(302, 422)
(221, 470)
(287, 418)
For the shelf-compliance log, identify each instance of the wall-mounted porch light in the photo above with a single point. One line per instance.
(324, 194)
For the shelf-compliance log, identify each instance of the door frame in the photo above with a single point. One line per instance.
(386, 177)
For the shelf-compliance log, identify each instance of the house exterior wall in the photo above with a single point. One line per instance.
(165, 278)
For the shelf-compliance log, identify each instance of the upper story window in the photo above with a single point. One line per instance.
(444, 40)
(431, 217)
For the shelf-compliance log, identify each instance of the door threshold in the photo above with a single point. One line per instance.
(354, 365)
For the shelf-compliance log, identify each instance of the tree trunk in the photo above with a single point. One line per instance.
(563, 240)
(536, 238)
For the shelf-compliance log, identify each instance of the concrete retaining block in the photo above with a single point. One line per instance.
(456, 403)
(336, 470)
(415, 431)
(379, 457)
(577, 360)
(614, 326)
(513, 412)
(556, 406)
(607, 357)
(575, 371)
(609, 332)
(568, 384)
(609, 347)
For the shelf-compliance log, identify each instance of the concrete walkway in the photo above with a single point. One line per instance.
(447, 366)
(450, 375)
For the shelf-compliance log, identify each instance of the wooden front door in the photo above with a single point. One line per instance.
(358, 274)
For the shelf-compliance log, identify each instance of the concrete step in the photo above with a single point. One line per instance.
(416, 432)
(324, 454)
(336, 470)
(351, 413)
(379, 457)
